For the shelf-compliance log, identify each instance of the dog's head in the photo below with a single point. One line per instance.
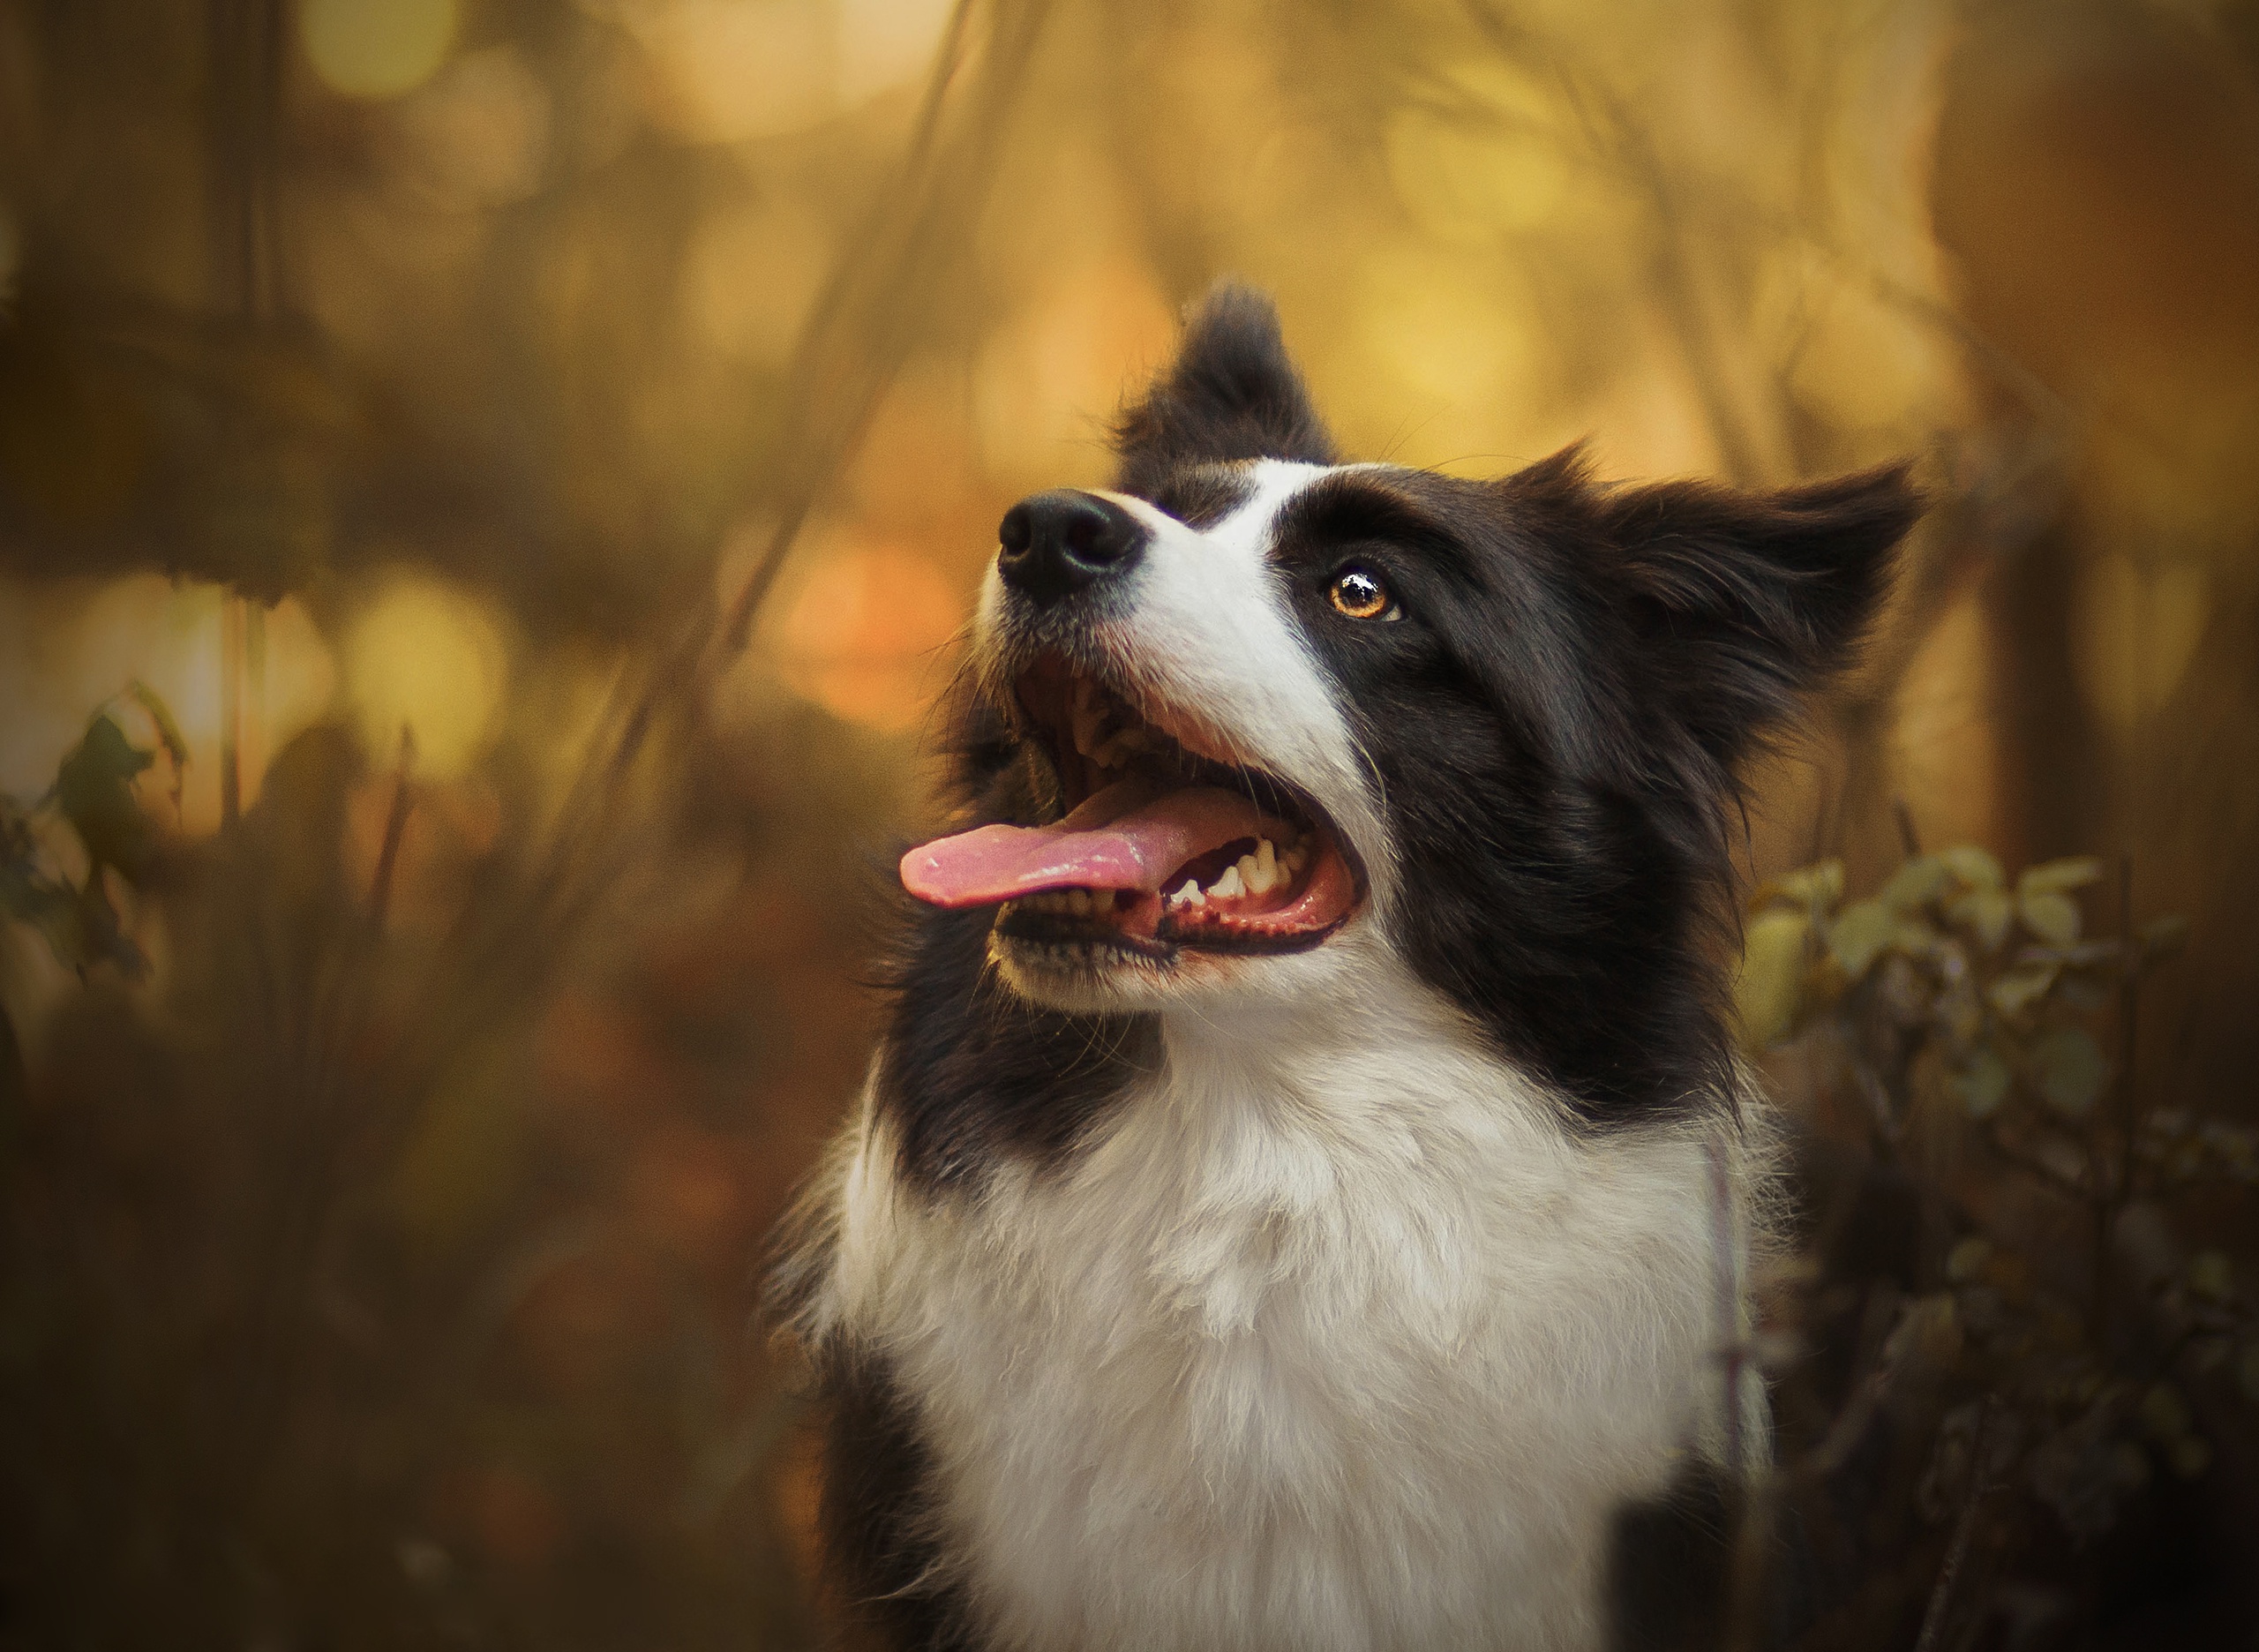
(1255, 713)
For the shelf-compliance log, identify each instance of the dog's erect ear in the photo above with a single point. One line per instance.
(1231, 393)
(1747, 601)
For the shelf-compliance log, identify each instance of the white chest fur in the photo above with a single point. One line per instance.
(1337, 1338)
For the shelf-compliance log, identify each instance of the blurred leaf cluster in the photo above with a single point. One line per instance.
(2020, 1373)
(384, 1277)
(93, 796)
(1952, 978)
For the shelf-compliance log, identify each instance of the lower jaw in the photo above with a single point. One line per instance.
(1034, 935)
(1040, 936)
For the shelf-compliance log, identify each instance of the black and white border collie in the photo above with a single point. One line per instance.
(1285, 1210)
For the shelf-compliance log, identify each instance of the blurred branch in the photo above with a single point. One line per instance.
(873, 304)
(1613, 135)
(403, 802)
(1980, 1484)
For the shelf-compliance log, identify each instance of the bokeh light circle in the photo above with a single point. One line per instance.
(377, 49)
(432, 658)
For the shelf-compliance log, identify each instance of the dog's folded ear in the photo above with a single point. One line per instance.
(1746, 602)
(1232, 392)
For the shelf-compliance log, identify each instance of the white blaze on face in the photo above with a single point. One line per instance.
(1207, 630)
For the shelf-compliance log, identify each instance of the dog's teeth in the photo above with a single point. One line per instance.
(1115, 750)
(1294, 859)
(1229, 885)
(1190, 895)
(1266, 863)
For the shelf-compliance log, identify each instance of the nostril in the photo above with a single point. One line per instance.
(1058, 543)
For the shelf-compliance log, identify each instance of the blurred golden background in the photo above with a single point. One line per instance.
(533, 458)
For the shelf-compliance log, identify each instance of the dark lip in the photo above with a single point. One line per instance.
(1054, 928)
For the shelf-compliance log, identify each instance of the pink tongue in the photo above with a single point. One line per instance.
(1134, 850)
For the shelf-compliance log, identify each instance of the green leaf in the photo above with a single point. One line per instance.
(1983, 1084)
(2053, 918)
(1966, 1261)
(79, 926)
(1987, 912)
(1959, 1013)
(1973, 865)
(1860, 937)
(1769, 989)
(175, 743)
(2069, 1070)
(2016, 990)
(95, 789)
(2053, 877)
(1917, 882)
(1820, 885)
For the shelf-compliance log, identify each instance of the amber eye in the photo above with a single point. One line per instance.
(1358, 593)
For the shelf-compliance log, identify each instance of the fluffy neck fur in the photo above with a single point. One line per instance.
(1336, 1334)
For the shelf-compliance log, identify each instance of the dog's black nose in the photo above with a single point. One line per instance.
(1057, 543)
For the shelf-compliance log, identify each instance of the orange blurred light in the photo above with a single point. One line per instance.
(863, 633)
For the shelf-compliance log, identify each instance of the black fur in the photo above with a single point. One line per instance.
(1232, 394)
(971, 1071)
(1670, 1566)
(878, 1554)
(1555, 722)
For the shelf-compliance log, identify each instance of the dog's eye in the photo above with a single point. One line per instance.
(1358, 593)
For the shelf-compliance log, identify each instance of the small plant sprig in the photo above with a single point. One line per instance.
(1960, 1008)
(1950, 979)
(94, 795)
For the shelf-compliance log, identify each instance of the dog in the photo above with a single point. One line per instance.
(1306, 1185)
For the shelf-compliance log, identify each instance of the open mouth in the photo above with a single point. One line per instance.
(1158, 845)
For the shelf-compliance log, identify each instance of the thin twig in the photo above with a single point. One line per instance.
(1909, 838)
(404, 804)
(2109, 1193)
(1964, 1531)
(1750, 1563)
(2033, 1166)
(1848, 1429)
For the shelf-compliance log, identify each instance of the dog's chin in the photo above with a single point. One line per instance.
(1086, 977)
(1090, 976)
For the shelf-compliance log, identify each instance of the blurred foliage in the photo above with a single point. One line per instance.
(2026, 1359)
(94, 794)
(377, 1284)
(538, 457)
